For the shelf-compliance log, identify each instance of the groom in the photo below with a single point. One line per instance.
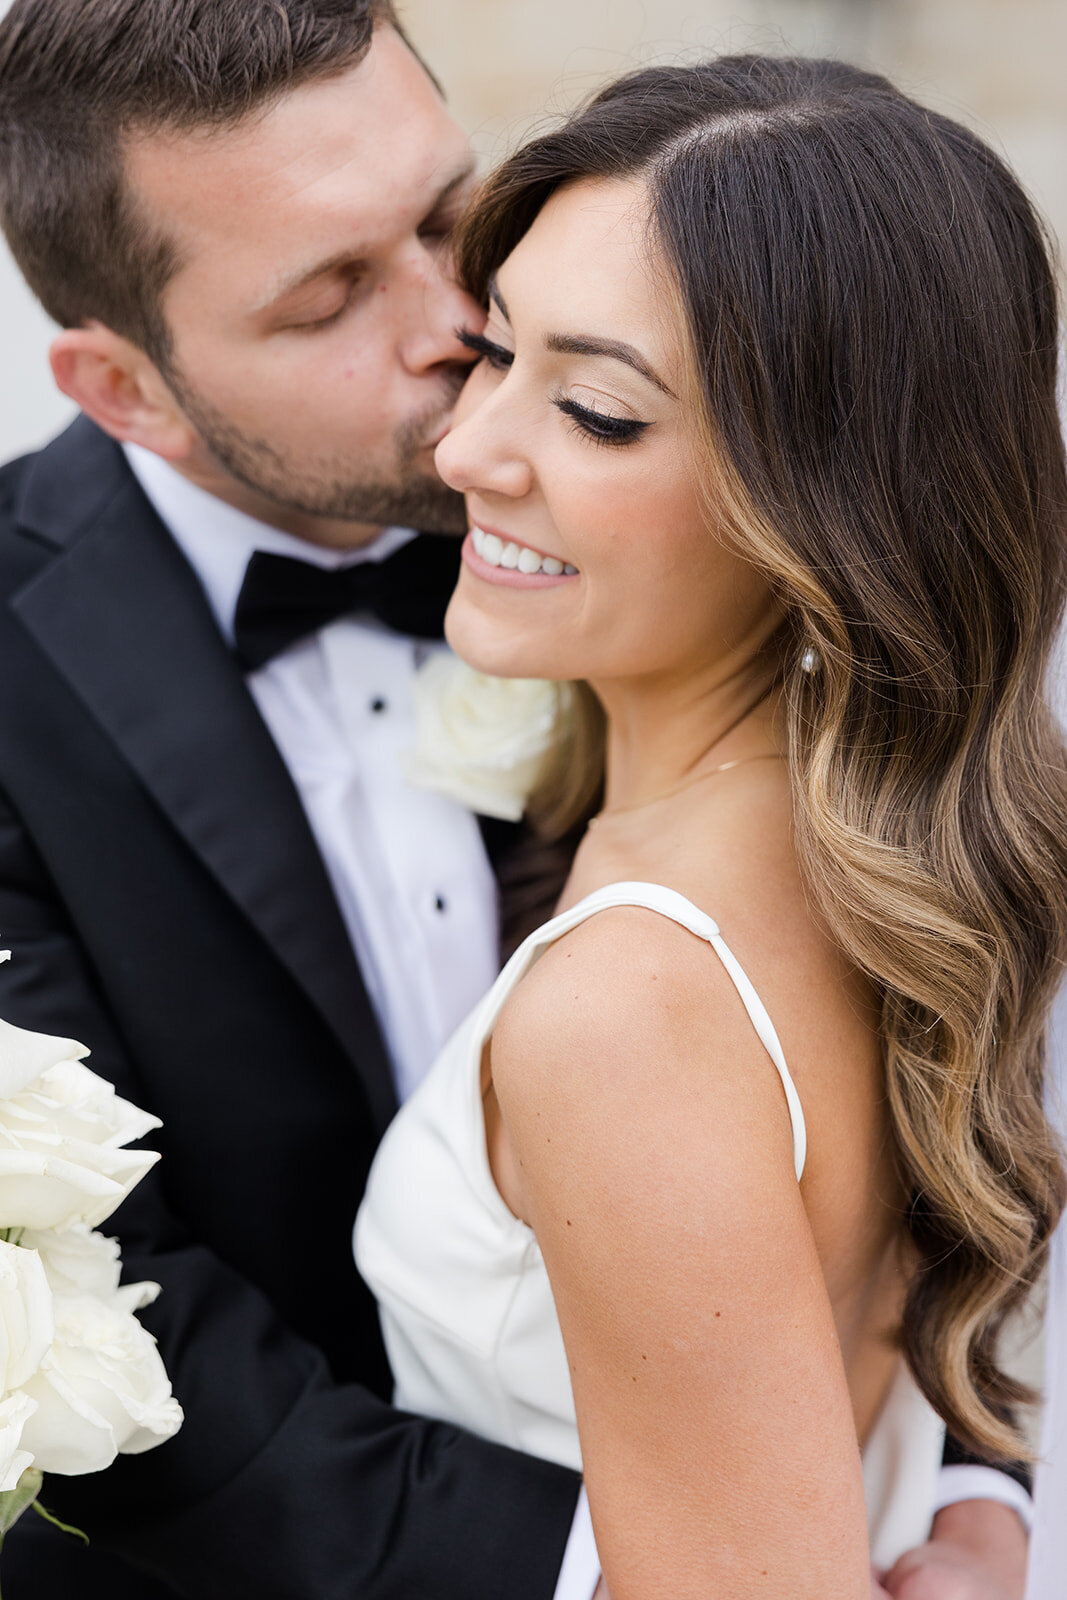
(210, 868)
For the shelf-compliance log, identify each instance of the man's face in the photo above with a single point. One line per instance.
(313, 316)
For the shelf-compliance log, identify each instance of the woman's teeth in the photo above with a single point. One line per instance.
(518, 557)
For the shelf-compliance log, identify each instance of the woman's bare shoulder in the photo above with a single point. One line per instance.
(627, 1012)
(735, 859)
(633, 975)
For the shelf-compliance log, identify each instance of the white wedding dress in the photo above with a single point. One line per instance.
(466, 1305)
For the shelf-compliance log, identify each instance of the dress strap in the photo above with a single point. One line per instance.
(668, 903)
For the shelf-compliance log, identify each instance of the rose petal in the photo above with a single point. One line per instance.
(24, 1056)
(15, 1412)
(102, 1389)
(66, 1435)
(49, 1191)
(27, 1323)
(77, 1261)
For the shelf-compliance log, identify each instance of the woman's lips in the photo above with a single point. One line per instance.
(511, 577)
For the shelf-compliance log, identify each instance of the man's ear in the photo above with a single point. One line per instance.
(121, 389)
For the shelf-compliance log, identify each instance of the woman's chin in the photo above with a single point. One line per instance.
(490, 647)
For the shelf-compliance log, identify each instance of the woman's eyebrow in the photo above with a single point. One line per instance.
(578, 344)
(497, 298)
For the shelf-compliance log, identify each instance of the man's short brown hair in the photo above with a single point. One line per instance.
(78, 76)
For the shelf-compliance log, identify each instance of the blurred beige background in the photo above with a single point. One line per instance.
(998, 64)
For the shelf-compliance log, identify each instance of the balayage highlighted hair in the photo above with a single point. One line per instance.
(869, 311)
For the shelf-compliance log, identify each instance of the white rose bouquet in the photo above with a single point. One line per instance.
(80, 1380)
(480, 740)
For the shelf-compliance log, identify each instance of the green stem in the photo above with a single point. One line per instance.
(64, 1527)
(13, 1502)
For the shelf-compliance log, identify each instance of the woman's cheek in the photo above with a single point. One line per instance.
(600, 515)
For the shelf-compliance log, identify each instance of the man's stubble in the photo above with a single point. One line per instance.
(407, 496)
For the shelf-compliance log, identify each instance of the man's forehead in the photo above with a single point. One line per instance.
(290, 276)
(324, 155)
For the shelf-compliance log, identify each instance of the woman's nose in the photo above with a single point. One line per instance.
(477, 456)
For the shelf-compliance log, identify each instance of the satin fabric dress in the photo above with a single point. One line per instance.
(465, 1301)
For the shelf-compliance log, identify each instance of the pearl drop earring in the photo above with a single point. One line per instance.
(809, 661)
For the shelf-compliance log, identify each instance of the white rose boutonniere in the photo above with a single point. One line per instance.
(482, 741)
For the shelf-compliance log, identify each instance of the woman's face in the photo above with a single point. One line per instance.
(590, 553)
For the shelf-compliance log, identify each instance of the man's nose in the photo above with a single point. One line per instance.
(438, 310)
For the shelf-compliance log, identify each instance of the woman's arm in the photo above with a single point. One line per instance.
(652, 1154)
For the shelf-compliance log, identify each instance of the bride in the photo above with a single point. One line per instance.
(763, 448)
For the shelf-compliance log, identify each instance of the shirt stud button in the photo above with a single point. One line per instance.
(378, 705)
(440, 903)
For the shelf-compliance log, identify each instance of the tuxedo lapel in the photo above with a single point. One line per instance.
(121, 616)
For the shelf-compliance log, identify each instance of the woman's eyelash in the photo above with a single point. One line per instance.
(599, 425)
(479, 345)
(595, 425)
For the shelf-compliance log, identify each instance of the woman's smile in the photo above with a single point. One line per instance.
(498, 558)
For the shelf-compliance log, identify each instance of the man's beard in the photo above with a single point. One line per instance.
(410, 497)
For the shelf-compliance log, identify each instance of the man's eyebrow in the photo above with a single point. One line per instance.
(465, 173)
(299, 280)
(578, 344)
(345, 258)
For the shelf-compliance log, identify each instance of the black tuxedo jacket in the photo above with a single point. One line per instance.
(165, 904)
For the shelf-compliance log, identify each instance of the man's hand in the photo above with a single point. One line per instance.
(977, 1551)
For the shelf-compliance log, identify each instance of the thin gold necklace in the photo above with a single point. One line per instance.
(687, 783)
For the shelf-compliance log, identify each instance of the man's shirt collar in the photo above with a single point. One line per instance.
(218, 540)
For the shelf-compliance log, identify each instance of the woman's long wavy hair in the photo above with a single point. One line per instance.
(870, 315)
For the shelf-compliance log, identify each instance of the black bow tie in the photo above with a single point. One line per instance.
(283, 600)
